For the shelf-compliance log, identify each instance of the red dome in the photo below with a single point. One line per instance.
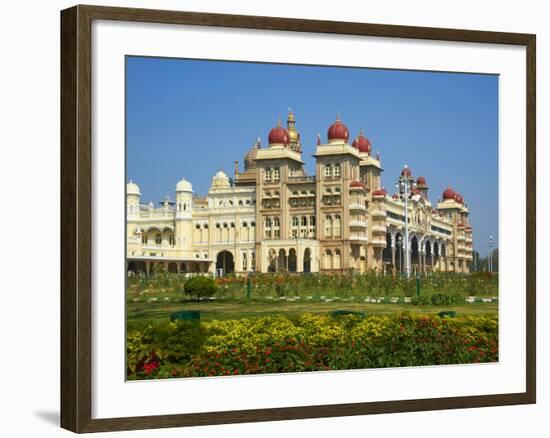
(278, 135)
(421, 181)
(356, 183)
(362, 143)
(406, 171)
(459, 198)
(338, 131)
(379, 192)
(460, 225)
(395, 196)
(415, 191)
(449, 193)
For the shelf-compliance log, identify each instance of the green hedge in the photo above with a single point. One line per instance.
(439, 300)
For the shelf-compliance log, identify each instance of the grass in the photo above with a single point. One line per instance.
(141, 314)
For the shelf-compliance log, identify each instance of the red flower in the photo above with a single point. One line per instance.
(149, 367)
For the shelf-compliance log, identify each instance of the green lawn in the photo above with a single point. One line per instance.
(140, 314)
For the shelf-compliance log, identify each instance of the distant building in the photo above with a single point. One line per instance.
(274, 217)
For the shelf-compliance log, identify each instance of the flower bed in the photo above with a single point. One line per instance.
(345, 284)
(310, 343)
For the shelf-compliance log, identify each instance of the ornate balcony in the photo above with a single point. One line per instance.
(379, 229)
(357, 224)
(357, 207)
(379, 242)
(379, 213)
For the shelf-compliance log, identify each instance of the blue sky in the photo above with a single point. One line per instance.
(189, 118)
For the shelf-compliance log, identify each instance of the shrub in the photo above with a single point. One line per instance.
(439, 300)
(200, 286)
(174, 342)
(422, 300)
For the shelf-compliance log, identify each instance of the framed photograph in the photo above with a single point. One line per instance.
(269, 218)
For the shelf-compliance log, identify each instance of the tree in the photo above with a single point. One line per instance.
(483, 264)
(200, 286)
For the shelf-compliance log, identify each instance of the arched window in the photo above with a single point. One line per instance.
(337, 226)
(232, 225)
(158, 239)
(328, 259)
(172, 239)
(276, 174)
(267, 228)
(328, 226)
(295, 221)
(336, 260)
(205, 226)
(304, 221)
(245, 225)
(312, 220)
(144, 238)
(328, 170)
(336, 170)
(198, 226)
(252, 224)
(276, 230)
(267, 174)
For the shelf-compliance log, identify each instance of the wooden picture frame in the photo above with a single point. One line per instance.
(76, 217)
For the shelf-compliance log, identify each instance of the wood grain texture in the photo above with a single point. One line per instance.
(76, 222)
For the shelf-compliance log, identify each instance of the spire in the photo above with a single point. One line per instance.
(318, 139)
(338, 116)
(294, 136)
(278, 121)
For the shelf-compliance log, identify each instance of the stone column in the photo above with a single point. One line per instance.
(300, 258)
(393, 267)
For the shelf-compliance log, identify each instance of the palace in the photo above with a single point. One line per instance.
(274, 217)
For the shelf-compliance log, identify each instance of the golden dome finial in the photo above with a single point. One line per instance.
(290, 117)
